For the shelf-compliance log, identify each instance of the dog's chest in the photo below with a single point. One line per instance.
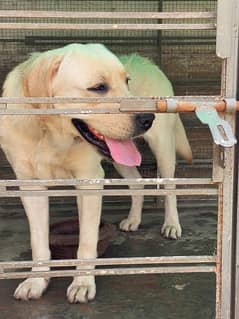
(51, 156)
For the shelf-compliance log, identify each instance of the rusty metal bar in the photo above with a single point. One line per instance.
(105, 15)
(109, 262)
(118, 105)
(107, 181)
(101, 26)
(219, 253)
(236, 214)
(108, 272)
(110, 192)
(88, 110)
(183, 106)
(227, 48)
(119, 99)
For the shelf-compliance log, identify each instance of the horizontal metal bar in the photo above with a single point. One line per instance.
(109, 261)
(117, 104)
(88, 110)
(117, 100)
(110, 192)
(105, 15)
(107, 272)
(64, 100)
(101, 26)
(107, 181)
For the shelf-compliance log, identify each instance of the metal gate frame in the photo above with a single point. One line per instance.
(221, 183)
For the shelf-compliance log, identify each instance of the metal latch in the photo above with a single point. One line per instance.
(221, 131)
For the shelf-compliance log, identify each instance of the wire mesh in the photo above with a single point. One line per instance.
(187, 57)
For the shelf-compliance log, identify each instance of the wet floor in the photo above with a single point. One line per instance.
(186, 296)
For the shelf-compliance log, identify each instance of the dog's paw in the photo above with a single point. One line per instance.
(31, 288)
(129, 224)
(173, 231)
(82, 289)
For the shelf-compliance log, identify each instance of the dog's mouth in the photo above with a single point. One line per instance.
(121, 151)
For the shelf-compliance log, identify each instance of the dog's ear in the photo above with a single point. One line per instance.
(38, 81)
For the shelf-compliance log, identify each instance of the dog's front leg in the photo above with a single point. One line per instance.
(132, 222)
(83, 288)
(37, 211)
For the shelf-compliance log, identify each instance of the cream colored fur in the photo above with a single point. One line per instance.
(166, 137)
(49, 146)
(45, 147)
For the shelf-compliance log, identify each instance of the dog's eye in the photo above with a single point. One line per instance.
(100, 88)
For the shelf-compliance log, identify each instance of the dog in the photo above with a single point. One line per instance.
(43, 147)
(64, 146)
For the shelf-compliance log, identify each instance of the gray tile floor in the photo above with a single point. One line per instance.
(186, 296)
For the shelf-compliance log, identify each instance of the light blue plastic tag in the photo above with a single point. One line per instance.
(221, 131)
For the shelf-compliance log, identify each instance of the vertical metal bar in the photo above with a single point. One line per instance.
(159, 58)
(159, 61)
(236, 212)
(227, 23)
(219, 253)
(227, 230)
(218, 164)
(224, 27)
(159, 34)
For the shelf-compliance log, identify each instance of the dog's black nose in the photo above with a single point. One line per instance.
(144, 121)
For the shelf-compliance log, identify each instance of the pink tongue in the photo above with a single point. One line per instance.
(123, 152)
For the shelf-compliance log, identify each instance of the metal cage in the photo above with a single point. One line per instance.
(222, 182)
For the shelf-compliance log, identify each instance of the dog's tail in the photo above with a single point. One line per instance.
(183, 147)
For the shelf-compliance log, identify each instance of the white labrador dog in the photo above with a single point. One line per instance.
(45, 147)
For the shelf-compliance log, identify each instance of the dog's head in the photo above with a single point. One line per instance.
(90, 71)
